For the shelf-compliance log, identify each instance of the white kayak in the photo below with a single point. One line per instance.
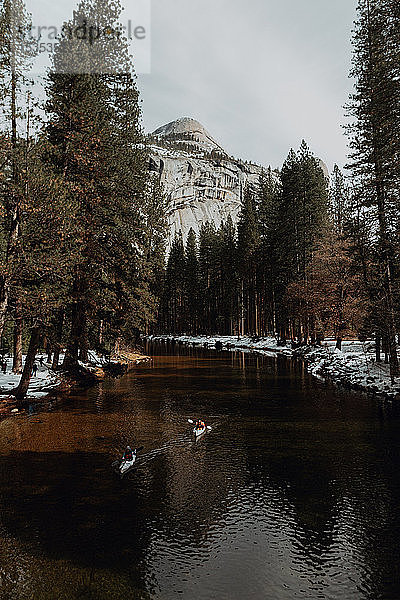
(127, 464)
(199, 432)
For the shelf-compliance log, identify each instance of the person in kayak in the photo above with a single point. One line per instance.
(199, 424)
(128, 454)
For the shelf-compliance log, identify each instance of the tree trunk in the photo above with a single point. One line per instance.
(238, 316)
(72, 351)
(386, 349)
(4, 293)
(15, 212)
(57, 345)
(242, 310)
(84, 344)
(56, 357)
(101, 328)
(17, 354)
(78, 321)
(84, 356)
(378, 348)
(393, 358)
(380, 176)
(20, 391)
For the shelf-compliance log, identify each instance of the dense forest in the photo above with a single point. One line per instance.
(82, 221)
(310, 259)
(286, 267)
(83, 227)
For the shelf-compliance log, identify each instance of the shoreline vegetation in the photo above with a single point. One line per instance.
(353, 367)
(86, 255)
(311, 256)
(47, 382)
(82, 219)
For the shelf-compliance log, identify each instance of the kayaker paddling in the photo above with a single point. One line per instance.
(128, 459)
(128, 454)
(199, 427)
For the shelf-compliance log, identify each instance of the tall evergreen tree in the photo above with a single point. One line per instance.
(374, 139)
(302, 214)
(268, 201)
(208, 277)
(338, 199)
(191, 282)
(174, 291)
(96, 145)
(248, 247)
(229, 277)
(16, 54)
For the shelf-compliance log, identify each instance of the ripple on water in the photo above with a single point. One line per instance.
(295, 493)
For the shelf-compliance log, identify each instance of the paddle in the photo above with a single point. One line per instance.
(208, 426)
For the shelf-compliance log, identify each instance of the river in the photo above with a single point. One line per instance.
(295, 493)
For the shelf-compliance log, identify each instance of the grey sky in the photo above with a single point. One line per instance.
(260, 75)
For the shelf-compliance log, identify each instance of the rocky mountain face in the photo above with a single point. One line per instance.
(202, 182)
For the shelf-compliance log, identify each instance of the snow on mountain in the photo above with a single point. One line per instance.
(190, 131)
(201, 181)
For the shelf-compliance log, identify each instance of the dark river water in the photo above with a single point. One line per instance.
(295, 493)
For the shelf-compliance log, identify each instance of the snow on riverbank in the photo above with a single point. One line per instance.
(42, 384)
(354, 367)
(45, 381)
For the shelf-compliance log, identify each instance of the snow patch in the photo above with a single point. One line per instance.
(354, 366)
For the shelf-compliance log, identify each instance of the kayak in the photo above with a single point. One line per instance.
(199, 432)
(127, 464)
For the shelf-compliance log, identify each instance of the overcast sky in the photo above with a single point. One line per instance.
(259, 75)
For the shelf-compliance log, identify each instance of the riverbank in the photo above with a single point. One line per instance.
(354, 366)
(47, 382)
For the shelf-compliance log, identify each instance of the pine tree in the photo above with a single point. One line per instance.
(374, 139)
(302, 214)
(268, 201)
(153, 231)
(174, 292)
(248, 247)
(96, 145)
(229, 277)
(334, 299)
(191, 282)
(45, 238)
(209, 277)
(16, 54)
(339, 202)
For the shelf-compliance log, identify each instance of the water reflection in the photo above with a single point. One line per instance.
(294, 493)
